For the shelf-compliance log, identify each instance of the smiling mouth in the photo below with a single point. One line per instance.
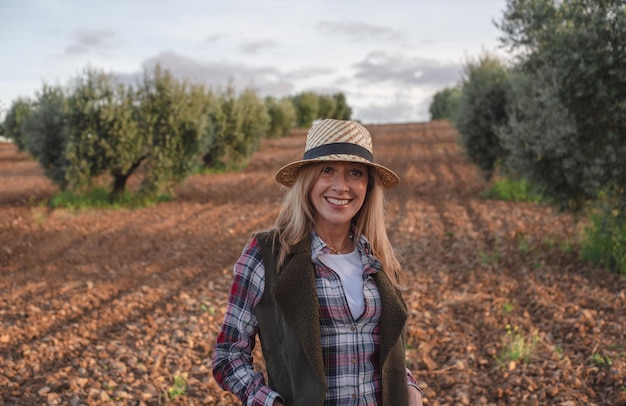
(338, 202)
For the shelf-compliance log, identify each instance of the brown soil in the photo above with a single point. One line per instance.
(109, 306)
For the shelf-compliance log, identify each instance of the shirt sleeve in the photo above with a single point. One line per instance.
(412, 382)
(232, 355)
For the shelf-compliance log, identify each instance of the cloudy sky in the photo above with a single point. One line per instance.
(388, 57)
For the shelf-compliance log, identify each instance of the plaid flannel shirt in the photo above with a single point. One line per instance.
(349, 346)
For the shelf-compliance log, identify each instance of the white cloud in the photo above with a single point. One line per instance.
(218, 74)
(358, 30)
(254, 47)
(384, 67)
(213, 38)
(388, 58)
(86, 41)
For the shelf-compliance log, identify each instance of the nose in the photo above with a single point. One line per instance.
(340, 184)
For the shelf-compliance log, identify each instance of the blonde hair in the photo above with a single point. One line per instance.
(296, 218)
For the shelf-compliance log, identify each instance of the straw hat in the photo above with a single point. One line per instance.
(337, 140)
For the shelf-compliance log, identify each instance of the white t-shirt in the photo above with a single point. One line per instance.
(350, 271)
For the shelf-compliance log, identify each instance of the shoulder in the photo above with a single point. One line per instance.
(251, 258)
(249, 270)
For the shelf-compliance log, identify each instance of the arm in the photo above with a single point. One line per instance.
(415, 396)
(232, 355)
(415, 392)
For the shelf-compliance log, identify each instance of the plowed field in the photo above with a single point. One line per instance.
(123, 306)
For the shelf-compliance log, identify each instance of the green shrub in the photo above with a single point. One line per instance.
(179, 386)
(517, 346)
(512, 190)
(99, 198)
(605, 241)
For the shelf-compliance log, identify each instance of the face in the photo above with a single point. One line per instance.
(338, 193)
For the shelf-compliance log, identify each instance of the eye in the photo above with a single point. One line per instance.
(327, 169)
(356, 172)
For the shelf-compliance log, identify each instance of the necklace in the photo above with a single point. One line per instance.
(339, 251)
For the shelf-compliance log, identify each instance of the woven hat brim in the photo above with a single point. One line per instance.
(287, 174)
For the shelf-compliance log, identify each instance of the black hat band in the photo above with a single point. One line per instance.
(339, 148)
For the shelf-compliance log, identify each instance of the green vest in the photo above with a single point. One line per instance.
(289, 329)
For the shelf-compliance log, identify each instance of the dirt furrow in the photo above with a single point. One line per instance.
(114, 307)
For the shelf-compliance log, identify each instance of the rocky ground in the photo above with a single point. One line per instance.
(123, 306)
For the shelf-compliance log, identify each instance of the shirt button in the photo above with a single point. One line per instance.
(354, 396)
(353, 360)
(352, 328)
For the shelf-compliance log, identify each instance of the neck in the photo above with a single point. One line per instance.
(338, 238)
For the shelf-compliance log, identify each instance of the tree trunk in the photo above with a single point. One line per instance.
(208, 160)
(119, 182)
(119, 186)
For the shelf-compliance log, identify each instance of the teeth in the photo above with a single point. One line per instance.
(338, 202)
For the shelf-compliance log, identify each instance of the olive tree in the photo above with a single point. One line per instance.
(568, 123)
(255, 122)
(245, 121)
(282, 116)
(326, 106)
(104, 134)
(102, 127)
(307, 108)
(173, 117)
(310, 106)
(212, 146)
(46, 133)
(18, 112)
(538, 135)
(342, 110)
(2, 132)
(445, 104)
(481, 110)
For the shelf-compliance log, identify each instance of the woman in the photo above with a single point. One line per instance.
(321, 288)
